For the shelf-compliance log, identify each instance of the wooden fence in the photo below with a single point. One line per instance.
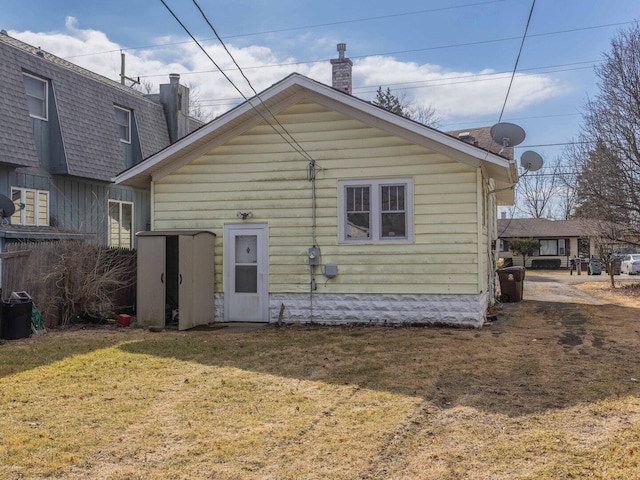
(70, 278)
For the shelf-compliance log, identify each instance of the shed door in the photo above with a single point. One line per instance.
(195, 280)
(246, 278)
(151, 281)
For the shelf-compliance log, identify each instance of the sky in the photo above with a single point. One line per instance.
(457, 56)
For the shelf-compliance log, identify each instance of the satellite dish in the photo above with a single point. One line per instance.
(7, 207)
(531, 161)
(507, 134)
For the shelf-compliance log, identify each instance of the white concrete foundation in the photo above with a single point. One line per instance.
(374, 309)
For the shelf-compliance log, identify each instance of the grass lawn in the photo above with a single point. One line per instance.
(547, 392)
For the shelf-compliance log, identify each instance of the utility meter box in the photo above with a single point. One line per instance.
(314, 256)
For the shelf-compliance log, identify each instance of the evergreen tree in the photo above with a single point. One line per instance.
(387, 100)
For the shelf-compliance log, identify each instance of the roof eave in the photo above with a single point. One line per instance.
(500, 168)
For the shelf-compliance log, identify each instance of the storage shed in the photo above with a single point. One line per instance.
(175, 278)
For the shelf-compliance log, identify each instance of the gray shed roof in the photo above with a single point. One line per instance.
(84, 102)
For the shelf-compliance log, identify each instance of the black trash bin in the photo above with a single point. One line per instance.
(511, 283)
(15, 321)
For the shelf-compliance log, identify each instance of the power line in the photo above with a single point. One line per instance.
(425, 83)
(515, 67)
(302, 151)
(305, 27)
(480, 42)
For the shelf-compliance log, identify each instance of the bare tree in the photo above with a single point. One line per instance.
(145, 86)
(566, 175)
(609, 162)
(399, 105)
(426, 115)
(536, 192)
(196, 109)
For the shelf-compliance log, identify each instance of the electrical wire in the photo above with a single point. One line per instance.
(163, 45)
(305, 27)
(297, 148)
(301, 150)
(515, 67)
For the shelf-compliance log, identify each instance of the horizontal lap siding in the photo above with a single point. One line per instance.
(257, 171)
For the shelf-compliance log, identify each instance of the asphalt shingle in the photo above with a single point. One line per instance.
(85, 103)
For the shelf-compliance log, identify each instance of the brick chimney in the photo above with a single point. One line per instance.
(341, 74)
(175, 102)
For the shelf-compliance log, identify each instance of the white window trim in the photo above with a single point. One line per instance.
(120, 203)
(36, 207)
(376, 204)
(46, 97)
(129, 127)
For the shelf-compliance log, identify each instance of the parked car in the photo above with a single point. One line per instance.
(630, 264)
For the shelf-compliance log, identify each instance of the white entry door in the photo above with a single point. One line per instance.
(245, 273)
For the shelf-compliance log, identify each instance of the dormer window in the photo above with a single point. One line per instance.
(123, 120)
(37, 96)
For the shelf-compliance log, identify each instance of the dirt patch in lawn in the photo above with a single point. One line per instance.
(549, 390)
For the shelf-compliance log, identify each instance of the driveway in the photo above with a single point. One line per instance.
(559, 287)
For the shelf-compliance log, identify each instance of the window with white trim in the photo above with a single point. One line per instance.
(376, 210)
(32, 207)
(123, 120)
(37, 90)
(120, 224)
(553, 247)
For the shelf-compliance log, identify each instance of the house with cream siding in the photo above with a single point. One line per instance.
(329, 209)
(559, 241)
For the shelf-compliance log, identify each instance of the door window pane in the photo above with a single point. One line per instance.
(246, 278)
(246, 249)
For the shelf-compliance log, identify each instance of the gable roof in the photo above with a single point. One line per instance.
(542, 227)
(292, 89)
(85, 106)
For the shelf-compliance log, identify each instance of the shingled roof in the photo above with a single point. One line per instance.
(481, 137)
(85, 105)
(542, 227)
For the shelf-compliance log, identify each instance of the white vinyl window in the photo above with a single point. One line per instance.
(120, 224)
(32, 207)
(37, 96)
(123, 120)
(376, 210)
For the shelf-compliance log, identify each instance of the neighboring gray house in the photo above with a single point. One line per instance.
(65, 132)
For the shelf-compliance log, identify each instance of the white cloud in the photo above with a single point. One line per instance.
(453, 94)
